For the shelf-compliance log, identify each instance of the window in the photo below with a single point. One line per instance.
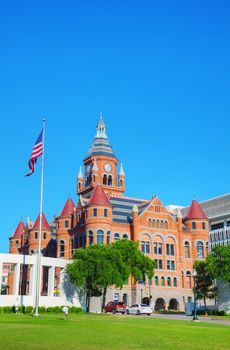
(116, 236)
(162, 281)
(147, 246)
(62, 249)
(156, 281)
(143, 247)
(108, 237)
(200, 251)
(207, 248)
(66, 223)
(188, 280)
(174, 282)
(125, 236)
(160, 264)
(170, 249)
(16, 244)
(168, 264)
(72, 246)
(169, 282)
(44, 235)
(203, 226)
(35, 235)
(90, 237)
(110, 180)
(104, 179)
(193, 225)
(186, 250)
(172, 265)
(157, 248)
(105, 213)
(94, 212)
(100, 235)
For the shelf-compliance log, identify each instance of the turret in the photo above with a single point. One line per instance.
(33, 237)
(79, 180)
(94, 171)
(121, 177)
(16, 239)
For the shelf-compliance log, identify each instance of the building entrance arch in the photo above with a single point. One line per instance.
(145, 300)
(160, 304)
(173, 304)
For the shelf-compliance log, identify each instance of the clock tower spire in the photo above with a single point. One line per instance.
(100, 166)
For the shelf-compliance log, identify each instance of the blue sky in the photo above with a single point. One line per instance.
(158, 70)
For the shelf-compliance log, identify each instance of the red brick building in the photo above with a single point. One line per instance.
(104, 214)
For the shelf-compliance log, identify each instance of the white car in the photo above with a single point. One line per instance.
(139, 309)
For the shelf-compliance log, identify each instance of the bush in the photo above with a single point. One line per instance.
(29, 310)
(74, 309)
(41, 309)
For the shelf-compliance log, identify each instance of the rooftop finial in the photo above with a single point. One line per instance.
(80, 174)
(121, 172)
(101, 127)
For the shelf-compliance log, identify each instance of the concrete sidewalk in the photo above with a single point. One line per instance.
(182, 317)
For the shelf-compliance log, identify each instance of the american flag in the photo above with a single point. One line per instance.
(37, 151)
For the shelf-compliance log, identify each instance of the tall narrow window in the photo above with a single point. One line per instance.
(169, 282)
(90, 237)
(147, 245)
(94, 211)
(188, 280)
(108, 237)
(160, 248)
(35, 235)
(143, 247)
(105, 212)
(186, 250)
(200, 250)
(104, 179)
(62, 249)
(44, 235)
(162, 281)
(66, 223)
(156, 281)
(174, 282)
(110, 180)
(193, 225)
(100, 235)
(160, 264)
(203, 226)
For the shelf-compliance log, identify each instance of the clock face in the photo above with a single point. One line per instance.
(107, 167)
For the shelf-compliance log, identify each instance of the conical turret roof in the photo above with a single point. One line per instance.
(195, 211)
(68, 208)
(99, 197)
(45, 224)
(19, 230)
(101, 144)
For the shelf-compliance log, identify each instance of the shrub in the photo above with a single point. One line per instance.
(41, 309)
(74, 309)
(29, 309)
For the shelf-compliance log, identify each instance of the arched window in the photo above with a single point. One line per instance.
(62, 248)
(200, 249)
(186, 250)
(100, 235)
(150, 222)
(207, 248)
(116, 236)
(162, 281)
(44, 235)
(174, 282)
(90, 237)
(156, 281)
(104, 179)
(188, 280)
(108, 237)
(125, 236)
(110, 180)
(169, 282)
(120, 183)
(32, 252)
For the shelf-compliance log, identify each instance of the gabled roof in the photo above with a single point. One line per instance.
(19, 230)
(195, 211)
(99, 197)
(45, 224)
(68, 208)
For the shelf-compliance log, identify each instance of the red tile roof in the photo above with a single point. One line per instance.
(195, 211)
(99, 197)
(45, 224)
(19, 230)
(68, 208)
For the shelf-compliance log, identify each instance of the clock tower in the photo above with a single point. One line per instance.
(100, 167)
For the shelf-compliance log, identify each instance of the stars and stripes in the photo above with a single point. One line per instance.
(37, 151)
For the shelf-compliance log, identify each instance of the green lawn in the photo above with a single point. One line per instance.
(82, 331)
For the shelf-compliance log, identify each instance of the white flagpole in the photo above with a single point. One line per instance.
(38, 263)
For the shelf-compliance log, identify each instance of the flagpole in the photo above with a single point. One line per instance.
(38, 264)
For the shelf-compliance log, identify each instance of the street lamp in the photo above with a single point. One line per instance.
(195, 318)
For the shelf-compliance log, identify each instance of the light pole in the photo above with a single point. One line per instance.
(195, 318)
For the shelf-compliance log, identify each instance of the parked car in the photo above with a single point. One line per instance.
(115, 306)
(139, 309)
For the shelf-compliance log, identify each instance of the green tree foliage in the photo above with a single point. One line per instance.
(218, 263)
(99, 266)
(205, 287)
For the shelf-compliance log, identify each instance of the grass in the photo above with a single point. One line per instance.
(82, 331)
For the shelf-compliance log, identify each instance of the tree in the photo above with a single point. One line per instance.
(139, 265)
(218, 263)
(95, 268)
(99, 266)
(205, 288)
